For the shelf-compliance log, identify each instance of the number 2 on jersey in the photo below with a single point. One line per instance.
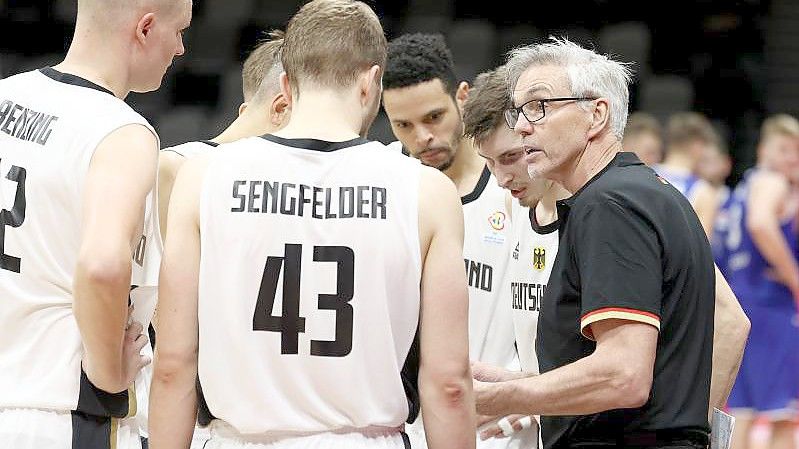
(291, 324)
(13, 218)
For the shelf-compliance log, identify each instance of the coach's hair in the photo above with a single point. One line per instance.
(263, 63)
(643, 123)
(779, 124)
(589, 74)
(686, 127)
(417, 58)
(484, 109)
(329, 42)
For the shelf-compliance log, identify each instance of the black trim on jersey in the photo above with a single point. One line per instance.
(315, 144)
(68, 78)
(94, 401)
(410, 379)
(209, 142)
(204, 415)
(91, 432)
(478, 189)
(545, 229)
(406, 442)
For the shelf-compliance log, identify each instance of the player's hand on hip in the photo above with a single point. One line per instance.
(507, 426)
(491, 373)
(135, 340)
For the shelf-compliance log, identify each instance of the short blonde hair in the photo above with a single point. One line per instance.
(686, 127)
(780, 124)
(641, 123)
(261, 61)
(329, 42)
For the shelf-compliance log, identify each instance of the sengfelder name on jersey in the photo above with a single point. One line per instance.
(321, 203)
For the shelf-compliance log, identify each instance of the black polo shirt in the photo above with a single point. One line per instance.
(632, 247)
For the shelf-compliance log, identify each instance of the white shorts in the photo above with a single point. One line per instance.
(200, 437)
(225, 437)
(46, 429)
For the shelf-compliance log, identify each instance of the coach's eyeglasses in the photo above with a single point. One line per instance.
(535, 110)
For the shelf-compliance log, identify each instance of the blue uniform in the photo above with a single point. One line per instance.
(721, 227)
(768, 380)
(686, 183)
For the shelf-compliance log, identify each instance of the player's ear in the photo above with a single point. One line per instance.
(285, 87)
(243, 107)
(144, 26)
(279, 111)
(462, 94)
(369, 82)
(600, 118)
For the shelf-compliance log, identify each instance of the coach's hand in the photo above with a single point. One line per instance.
(507, 426)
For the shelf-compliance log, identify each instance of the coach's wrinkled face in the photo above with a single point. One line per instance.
(427, 120)
(504, 155)
(553, 143)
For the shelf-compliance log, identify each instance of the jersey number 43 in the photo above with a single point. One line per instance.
(291, 324)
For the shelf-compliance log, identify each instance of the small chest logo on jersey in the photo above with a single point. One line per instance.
(539, 258)
(497, 220)
(516, 252)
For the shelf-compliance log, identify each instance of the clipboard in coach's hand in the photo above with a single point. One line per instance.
(721, 429)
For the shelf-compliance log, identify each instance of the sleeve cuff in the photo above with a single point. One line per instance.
(616, 313)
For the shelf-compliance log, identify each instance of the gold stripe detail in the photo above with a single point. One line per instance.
(114, 428)
(618, 315)
(133, 406)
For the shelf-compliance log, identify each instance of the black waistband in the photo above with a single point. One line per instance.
(673, 438)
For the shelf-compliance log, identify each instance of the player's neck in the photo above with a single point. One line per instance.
(679, 160)
(597, 155)
(324, 115)
(97, 62)
(248, 124)
(466, 168)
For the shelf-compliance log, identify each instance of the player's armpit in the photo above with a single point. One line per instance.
(445, 381)
(120, 176)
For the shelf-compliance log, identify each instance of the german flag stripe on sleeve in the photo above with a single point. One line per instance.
(617, 313)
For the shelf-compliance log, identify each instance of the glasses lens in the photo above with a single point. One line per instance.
(511, 117)
(533, 110)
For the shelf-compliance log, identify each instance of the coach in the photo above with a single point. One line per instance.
(626, 324)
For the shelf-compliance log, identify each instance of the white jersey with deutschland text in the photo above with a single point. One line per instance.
(534, 248)
(50, 125)
(485, 253)
(309, 285)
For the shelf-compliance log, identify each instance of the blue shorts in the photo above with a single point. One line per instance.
(768, 381)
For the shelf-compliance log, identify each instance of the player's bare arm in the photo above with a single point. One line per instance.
(618, 374)
(445, 384)
(730, 331)
(173, 397)
(121, 174)
(766, 196)
(169, 163)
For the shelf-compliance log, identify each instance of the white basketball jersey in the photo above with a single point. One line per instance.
(533, 252)
(309, 284)
(50, 125)
(485, 253)
(191, 149)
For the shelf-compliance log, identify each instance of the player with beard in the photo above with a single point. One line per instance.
(423, 100)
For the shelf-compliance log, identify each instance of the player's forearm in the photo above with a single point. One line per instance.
(448, 411)
(173, 406)
(590, 385)
(731, 329)
(772, 245)
(101, 289)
